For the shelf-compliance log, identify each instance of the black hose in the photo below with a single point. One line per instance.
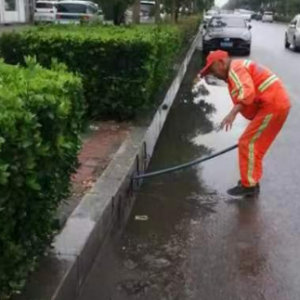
(186, 165)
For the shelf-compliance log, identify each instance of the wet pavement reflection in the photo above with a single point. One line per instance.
(196, 242)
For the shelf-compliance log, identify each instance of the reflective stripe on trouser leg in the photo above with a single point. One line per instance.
(251, 149)
(262, 132)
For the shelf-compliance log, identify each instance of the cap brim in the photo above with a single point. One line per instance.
(205, 70)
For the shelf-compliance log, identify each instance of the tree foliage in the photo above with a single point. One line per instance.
(287, 7)
(115, 9)
(195, 5)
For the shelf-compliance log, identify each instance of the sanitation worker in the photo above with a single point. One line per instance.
(260, 97)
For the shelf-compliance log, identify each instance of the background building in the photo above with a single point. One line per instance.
(16, 11)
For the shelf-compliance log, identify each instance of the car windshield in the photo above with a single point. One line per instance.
(44, 5)
(72, 8)
(218, 22)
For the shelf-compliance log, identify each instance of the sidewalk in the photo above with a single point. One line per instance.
(100, 143)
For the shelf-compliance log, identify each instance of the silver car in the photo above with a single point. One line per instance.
(268, 16)
(73, 11)
(45, 11)
(209, 15)
(292, 35)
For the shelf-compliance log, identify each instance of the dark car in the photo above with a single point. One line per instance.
(257, 16)
(227, 32)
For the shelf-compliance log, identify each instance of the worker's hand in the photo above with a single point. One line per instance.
(228, 121)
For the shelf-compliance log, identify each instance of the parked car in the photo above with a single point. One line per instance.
(292, 35)
(259, 16)
(247, 18)
(268, 16)
(147, 13)
(73, 11)
(227, 32)
(209, 15)
(45, 11)
(244, 14)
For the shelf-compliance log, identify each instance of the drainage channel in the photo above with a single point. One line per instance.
(153, 257)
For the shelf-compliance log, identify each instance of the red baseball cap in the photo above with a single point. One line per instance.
(211, 58)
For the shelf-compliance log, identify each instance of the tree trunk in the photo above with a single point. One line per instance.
(177, 14)
(157, 11)
(177, 10)
(192, 7)
(195, 7)
(117, 14)
(173, 11)
(136, 12)
(287, 7)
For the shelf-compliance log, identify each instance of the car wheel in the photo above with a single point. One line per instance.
(296, 48)
(287, 44)
(248, 52)
(205, 50)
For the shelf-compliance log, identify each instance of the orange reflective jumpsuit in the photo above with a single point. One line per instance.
(266, 103)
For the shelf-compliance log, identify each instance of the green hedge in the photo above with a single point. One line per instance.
(188, 27)
(121, 67)
(41, 113)
(283, 18)
(40, 121)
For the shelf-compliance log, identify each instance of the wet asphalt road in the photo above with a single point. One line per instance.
(198, 243)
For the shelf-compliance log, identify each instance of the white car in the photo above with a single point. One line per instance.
(292, 35)
(75, 12)
(268, 16)
(147, 13)
(209, 15)
(45, 11)
(246, 17)
(246, 14)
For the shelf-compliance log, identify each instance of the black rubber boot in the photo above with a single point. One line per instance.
(257, 186)
(242, 191)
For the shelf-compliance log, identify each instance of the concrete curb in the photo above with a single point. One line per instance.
(108, 204)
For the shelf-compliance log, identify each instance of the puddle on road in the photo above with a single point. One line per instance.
(195, 245)
(156, 259)
(177, 203)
